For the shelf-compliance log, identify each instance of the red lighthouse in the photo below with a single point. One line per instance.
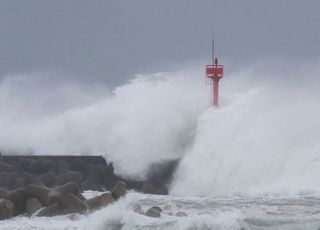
(214, 72)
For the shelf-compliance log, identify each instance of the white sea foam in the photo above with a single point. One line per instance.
(202, 213)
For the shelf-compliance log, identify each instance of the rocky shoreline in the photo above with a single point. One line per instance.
(52, 185)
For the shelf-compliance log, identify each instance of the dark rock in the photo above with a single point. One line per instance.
(44, 165)
(181, 214)
(29, 177)
(150, 189)
(50, 196)
(19, 197)
(91, 183)
(135, 185)
(39, 166)
(61, 167)
(157, 208)
(100, 201)
(27, 164)
(47, 179)
(106, 199)
(90, 173)
(119, 190)
(106, 176)
(99, 177)
(161, 173)
(6, 209)
(7, 178)
(93, 180)
(79, 165)
(73, 204)
(19, 182)
(154, 212)
(33, 205)
(162, 191)
(3, 193)
(70, 176)
(93, 203)
(6, 167)
(52, 210)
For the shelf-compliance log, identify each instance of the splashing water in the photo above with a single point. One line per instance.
(264, 138)
(262, 213)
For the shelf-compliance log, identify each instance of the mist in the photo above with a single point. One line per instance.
(149, 119)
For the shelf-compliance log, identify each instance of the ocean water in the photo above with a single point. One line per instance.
(232, 213)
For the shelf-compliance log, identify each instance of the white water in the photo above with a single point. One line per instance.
(149, 119)
(259, 213)
(264, 138)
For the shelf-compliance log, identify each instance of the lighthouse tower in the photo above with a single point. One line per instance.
(214, 72)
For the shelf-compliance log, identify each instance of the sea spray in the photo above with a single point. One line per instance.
(149, 119)
(264, 138)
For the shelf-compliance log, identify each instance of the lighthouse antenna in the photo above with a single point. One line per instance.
(213, 58)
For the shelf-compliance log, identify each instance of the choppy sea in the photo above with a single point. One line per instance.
(264, 212)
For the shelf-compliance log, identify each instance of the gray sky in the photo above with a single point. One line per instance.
(112, 39)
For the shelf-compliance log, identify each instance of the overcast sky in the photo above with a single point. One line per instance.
(110, 40)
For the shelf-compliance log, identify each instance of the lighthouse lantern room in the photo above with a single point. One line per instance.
(214, 72)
